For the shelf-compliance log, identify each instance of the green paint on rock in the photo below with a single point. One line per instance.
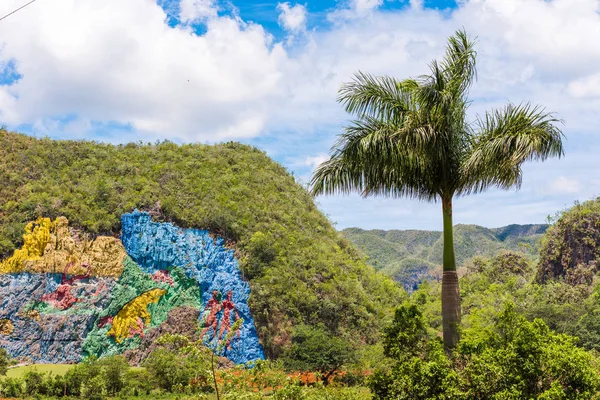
(183, 291)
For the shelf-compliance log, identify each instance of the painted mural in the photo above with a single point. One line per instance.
(64, 297)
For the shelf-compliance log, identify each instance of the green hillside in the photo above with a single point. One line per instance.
(410, 256)
(570, 249)
(299, 268)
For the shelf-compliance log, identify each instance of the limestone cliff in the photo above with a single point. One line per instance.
(63, 297)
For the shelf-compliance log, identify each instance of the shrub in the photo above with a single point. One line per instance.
(315, 349)
(513, 358)
(4, 361)
(11, 387)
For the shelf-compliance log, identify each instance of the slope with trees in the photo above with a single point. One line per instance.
(411, 256)
(571, 248)
(300, 270)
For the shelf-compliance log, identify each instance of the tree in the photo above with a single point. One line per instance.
(114, 370)
(315, 349)
(4, 361)
(179, 363)
(420, 367)
(412, 138)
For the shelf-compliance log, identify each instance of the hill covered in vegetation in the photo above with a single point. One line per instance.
(300, 271)
(571, 248)
(410, 256)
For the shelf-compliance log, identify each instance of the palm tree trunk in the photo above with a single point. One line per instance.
(450, 289)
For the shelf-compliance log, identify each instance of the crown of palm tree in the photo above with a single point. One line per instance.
(412, 137)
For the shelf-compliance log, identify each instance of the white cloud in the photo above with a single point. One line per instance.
(119, 61)
(197, 10)
(292, 18)
(563, 185)
(588, 86)
(366, 5)
(314, 161)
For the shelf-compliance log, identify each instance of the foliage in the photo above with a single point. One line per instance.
(300, 270)
(487, 284)
(79, 377)
(522, 359)
(115, 369)
(421, 369)
(412, 256)
(512, 358)
(12, 387)
(179, 364)
(314, 349)
(4, 361)
(265, 379)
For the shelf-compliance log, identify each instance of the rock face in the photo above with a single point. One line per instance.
(41, 332)
(49, 246)
(181, 320)
(156, 246)
(104, 302)
(571, 247)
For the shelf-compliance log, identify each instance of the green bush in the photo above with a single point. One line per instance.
(114, 372)
(517, 358)
(35, 383)
(12, 387)
(80, 376)
(4, 361)
(314, 349)
(180, 365)
(421, 369)
(513, 358)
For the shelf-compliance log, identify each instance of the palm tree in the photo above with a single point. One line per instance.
(411, 138)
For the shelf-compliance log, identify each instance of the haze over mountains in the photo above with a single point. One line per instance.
(411, 256)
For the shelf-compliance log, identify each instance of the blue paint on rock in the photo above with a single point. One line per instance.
(155, 246)
(48, 337)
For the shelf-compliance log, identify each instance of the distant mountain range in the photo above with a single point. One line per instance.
(411, 256)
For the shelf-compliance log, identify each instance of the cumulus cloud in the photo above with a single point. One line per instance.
(588, 86)
(119, 61)
(197, 10)
(366, 5)
(292, 18)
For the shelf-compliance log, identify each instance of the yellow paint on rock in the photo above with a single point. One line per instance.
(127, 319)
(36, 237)
(6, 327)
(50, 246)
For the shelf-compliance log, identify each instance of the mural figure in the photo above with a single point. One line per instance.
(130, 320)
(62, 298)
(228, 307)
(163, 276)
(213, 307)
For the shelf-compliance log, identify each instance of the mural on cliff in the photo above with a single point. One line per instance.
(64, 297)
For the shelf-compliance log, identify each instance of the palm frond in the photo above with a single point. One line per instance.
(372, 157)
(459, 63)
(377, 96)
(507, 138)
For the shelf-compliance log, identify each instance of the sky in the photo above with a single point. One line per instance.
(267, 73)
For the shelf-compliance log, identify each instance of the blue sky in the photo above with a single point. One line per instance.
(267, 73)
(264, 12)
